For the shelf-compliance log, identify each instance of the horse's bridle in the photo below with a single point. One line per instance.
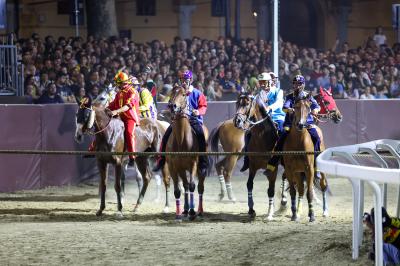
(181, 110)
(245, 118)
(95, 121)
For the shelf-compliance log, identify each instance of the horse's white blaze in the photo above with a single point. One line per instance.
(91, 119)
(78, 131)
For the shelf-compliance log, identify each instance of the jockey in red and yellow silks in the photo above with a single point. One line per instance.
(126, 105)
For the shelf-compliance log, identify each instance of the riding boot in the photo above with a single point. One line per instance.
(92, 148)
(131, 162)
(246, 162)
(161, 158)
(274, 161)
(201, 140)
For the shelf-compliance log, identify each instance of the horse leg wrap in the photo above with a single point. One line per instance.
(178, 207)
(186, 205)
(293, 202)
(191, 203)
(200, 210)
(222, 183)
(230, 191)
(250, 199)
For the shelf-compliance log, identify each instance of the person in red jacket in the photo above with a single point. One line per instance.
(126, 105)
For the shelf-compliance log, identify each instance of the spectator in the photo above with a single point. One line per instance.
(50, 95)
(379, 37)
(367, 94)
(323, 81)
(337, 88)
(63, 89)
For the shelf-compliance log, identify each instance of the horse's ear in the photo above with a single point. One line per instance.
(330, 90)
(321, 90)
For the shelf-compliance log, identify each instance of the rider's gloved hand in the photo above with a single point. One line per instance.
(196, 112)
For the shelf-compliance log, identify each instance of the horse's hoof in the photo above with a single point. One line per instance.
(252, 214)
(185, 213)
(99, 212)
(221, 196)
(166, 209)
(136, 208)
(325, 214)
(295, 218)
(233, 199)
(312, 218)
(178, 218)
(283, 203)
(119, 215)
(269, 218)
(192, 215)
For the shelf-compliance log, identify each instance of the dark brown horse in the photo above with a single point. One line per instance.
(297, 166)
(109, 137)
(182, 139)
(263, 138)
(231, 140)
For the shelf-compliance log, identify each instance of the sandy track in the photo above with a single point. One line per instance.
(58, 226)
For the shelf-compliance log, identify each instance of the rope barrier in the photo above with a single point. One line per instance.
(46, 152)
(222, 153)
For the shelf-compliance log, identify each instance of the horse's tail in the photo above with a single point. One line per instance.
(213, 140)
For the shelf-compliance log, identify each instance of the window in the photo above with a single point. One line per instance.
(145, 7)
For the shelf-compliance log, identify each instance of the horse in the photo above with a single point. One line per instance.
(296, 167)
(263, 138)
(232, 140)
(144, 174)
(328, 106)
(109, 137)
(182, 139)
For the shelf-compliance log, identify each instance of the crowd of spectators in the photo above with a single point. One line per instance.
(66, 69)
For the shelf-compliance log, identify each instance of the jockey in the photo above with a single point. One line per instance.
(149, 83)
(298, 93)
(270, 101)
(197, 106)
(126, 105)
(147, 107)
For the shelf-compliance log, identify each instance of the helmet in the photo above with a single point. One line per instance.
(264, 77)
(299, 82)
(135, 81)
(187, 75)
(299, 79)
(273, 76)
(121, 78)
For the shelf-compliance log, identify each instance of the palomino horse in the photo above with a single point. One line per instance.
(182, 139)
(142, 163)
(232, 140)
(299, 139)
(109, 137)
(263, 138)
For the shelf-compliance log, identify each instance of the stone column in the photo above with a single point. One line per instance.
(185, 21)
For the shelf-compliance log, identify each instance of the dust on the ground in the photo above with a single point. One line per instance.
(57, 226)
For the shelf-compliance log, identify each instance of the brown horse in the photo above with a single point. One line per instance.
(296, 167)
(109, 137)
(232, 140)
(263, 138)
(328, 106)
(182, 139)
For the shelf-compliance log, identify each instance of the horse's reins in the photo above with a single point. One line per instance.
(247, 115)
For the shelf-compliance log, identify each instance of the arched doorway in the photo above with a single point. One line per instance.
(301, 22)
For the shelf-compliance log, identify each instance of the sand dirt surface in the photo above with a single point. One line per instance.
(58, 226)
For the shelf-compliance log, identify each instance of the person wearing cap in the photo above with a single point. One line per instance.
(270, 101)
(147, 107)
(298, 93)
(197, 105)
(126, 106)
(149, 83)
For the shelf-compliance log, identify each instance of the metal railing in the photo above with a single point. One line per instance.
(11, 71)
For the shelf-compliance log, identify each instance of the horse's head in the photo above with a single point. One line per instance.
(106, 96)
(328, 105)
(84, 118)
(301, 111)
(178, 101)
(245, 109)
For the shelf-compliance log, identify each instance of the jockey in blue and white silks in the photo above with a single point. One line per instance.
(270, 99)
(298, 93)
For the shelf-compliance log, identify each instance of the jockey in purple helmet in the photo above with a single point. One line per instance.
(197, 108)
(298, 93)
